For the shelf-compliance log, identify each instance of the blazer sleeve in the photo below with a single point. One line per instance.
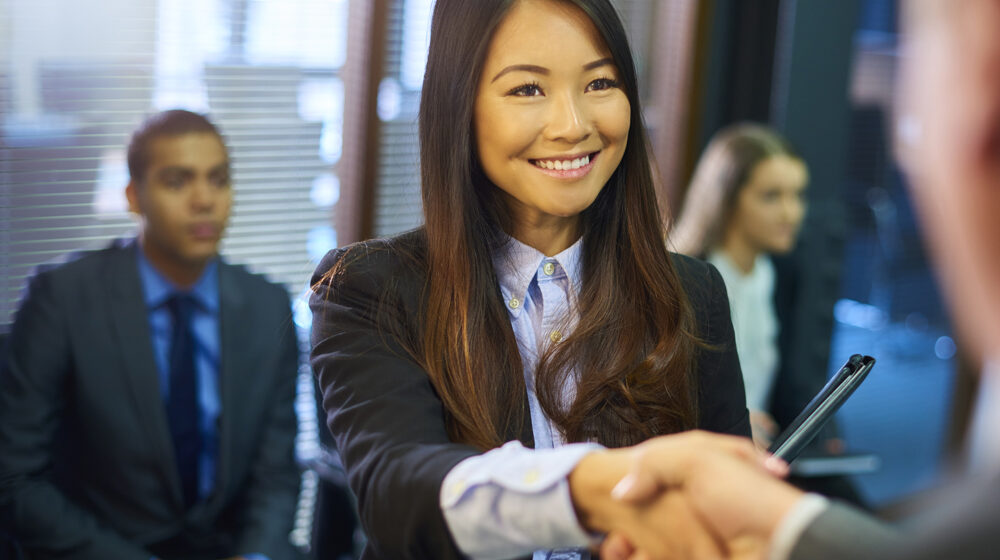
(34, 378)
(387, 420)
(274, 475)
(721, 394)
(844, 532)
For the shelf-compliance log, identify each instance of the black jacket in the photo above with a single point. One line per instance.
(387, 419)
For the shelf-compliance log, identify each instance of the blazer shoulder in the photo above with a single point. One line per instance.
(83, 270)
(689, 268)
(401, 257)
(699, 279)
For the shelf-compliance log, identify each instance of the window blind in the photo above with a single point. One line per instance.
(77, 77)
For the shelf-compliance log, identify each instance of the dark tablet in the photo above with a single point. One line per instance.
(820, 410)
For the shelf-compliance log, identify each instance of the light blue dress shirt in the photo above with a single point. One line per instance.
(512, 500)
(205, 322)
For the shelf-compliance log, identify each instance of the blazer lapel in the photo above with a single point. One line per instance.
(134, 340)
(234, 321)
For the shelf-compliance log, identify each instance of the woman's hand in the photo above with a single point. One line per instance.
(663, 528)
(764, 429)
(642, 495)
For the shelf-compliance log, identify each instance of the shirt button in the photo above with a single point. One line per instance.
(548, 268)
(531, 476)
(556, 336)
(514, 303)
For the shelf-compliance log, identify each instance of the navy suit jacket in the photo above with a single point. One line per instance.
(86, 462)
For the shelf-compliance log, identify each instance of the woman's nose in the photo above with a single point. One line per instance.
(793, 209)
(568, 120)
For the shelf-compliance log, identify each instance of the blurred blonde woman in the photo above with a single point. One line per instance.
(746, 203)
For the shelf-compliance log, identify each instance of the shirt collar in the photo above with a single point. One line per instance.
(157, 288)
(516, 264)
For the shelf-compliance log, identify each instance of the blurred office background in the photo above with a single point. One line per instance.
(318, 101)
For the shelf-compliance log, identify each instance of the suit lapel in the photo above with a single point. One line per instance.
(234, 322)
(134, 340)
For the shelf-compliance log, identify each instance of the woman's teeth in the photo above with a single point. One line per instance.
(561, 165)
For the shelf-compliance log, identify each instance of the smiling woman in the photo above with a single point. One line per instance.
(537, 308)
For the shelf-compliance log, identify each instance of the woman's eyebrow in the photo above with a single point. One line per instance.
(598, 63)
(535, 69)
(521, 68)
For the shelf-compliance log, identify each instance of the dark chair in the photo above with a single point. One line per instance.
(9, 550)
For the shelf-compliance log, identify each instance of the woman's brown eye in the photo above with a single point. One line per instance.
(527, 90)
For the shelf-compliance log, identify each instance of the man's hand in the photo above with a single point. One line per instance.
(729, 487)
(651, 512)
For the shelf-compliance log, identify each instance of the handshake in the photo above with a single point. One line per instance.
(690, 495)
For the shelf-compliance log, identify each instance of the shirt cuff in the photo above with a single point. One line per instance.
(787, 534)
(511, 501)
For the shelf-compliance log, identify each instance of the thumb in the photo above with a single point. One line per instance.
(636, 486)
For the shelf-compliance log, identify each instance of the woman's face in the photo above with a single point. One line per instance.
(770, 207)
(551, 119)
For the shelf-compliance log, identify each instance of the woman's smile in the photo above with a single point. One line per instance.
(566, 167)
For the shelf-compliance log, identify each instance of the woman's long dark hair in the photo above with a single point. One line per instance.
(634, 345)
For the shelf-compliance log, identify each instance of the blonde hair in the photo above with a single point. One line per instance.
(723, 170)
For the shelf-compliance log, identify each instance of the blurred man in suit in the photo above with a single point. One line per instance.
(949, 142)
(146, 399)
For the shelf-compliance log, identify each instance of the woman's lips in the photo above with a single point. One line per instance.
(566, 168)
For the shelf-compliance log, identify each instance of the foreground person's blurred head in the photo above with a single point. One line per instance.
(948, 140)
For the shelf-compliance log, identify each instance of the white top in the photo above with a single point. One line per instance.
(751, 301)
(511, 501)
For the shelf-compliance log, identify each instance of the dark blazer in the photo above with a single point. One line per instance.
(387, 419)
(802, 360)
(86, 462)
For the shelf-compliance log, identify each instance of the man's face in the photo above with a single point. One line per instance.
(184, 198)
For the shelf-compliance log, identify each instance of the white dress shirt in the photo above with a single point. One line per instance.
(751, 299)
(512, 501)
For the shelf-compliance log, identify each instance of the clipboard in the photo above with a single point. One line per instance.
(821, 408)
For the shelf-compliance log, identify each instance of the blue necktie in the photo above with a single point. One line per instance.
(183, 412)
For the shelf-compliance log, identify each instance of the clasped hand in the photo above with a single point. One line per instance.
(691, 495)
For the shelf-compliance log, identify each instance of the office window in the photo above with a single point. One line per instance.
(77, 77)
